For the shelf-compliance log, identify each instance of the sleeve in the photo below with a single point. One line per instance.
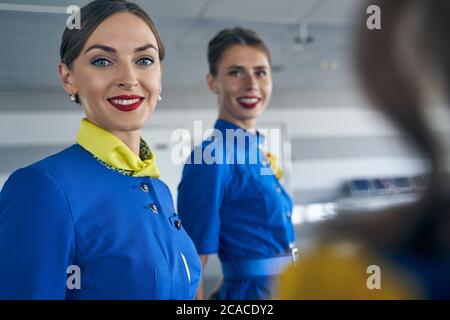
(200, 196)
(36, 237)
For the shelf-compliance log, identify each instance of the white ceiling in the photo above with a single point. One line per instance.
(30, 41)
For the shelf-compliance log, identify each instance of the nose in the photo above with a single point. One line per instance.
(251, 83)
(127, 79)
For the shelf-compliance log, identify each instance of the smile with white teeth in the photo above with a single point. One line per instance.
(249, 100)
(124, 102)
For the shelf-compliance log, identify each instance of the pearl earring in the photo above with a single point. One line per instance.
(159, 97)
(72, 98)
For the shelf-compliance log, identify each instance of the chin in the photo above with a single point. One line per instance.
(252, 114)
(129, 124)
(133, 126)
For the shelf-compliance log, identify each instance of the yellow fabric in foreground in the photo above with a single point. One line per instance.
(340, 272)
(111, 150)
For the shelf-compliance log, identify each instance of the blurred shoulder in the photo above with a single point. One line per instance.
(345, 270)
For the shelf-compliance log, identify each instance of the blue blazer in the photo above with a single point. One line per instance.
(232, 209)
(69, 211)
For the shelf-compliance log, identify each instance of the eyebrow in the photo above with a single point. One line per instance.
(111, 49)
(241, 67)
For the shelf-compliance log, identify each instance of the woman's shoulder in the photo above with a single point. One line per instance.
(346, 270)
(208, 159)
(34, 194)
(63, 159)
(52, 168)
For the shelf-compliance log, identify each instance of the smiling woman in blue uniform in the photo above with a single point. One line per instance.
(229, 206)
(99, 205)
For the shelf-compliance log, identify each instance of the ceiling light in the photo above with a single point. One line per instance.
(303, 37)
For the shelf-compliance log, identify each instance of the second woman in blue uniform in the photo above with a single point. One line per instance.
(234, 204)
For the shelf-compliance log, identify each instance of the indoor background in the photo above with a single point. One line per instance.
(338, 153)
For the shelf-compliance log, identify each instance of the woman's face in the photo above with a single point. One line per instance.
(243, 83)
(117, 74)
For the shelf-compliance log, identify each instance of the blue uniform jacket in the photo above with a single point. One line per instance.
(121, 232)
(232, 209)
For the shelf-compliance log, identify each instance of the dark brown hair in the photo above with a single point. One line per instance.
(228, 38)
(422, 228)
(91, 16)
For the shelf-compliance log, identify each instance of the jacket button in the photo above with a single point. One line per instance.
(144, 187)
(153, 207)
(178, 224)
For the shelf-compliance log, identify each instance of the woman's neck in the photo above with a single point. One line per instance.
(247, 124)
(132, 139)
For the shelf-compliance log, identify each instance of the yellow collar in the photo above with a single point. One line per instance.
(111, 150)
(273, 162)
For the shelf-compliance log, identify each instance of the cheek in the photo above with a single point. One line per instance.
(93, 85)
(267, 88)
(151, 84)
(231, 88)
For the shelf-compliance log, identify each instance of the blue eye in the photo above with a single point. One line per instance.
(101, 62)
(145, 61)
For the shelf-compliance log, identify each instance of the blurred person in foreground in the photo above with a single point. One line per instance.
(403, 68)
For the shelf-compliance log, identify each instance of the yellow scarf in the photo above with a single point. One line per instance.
(111, 150)
(273, 162)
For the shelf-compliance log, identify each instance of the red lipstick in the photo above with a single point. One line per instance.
(126, 103)
(248, 102)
